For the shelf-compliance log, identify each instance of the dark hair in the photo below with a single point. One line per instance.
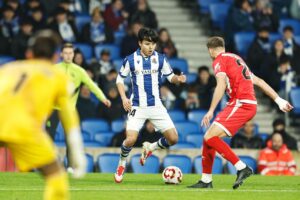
(203, 68)
(147, 34)
(277, 122)
(284, 59)
(288, 28)
(215, 42)
(44, 44)
(67, 45)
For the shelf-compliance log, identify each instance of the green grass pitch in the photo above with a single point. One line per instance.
(18, 186)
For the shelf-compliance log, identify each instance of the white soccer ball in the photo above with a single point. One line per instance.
(172, 175)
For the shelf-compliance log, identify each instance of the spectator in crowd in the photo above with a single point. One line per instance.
(247, 138)
(287, 79)
(259, 50)
(9, 24)
(96, 4)
(16, 5)
(276, 158)
(167, 97)
(105, 81)
(105, 63)
(38, 19)
(279, 127)
(239, 19)
(65, 28)
(165, 44)
(85, 106)
(144, 14)
(31, 4)
(281, 8)
(115, 16)
(295, 9)
(79, 59)
(129, 43)
(192, 101)
(19, 43)
(204, 84)
(97, 31)
(115, 111)
(147, 134)
(78, 6)
(264, 17)
(66, 5)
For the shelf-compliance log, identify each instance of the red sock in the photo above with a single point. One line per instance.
(223, 149)
(208, 157)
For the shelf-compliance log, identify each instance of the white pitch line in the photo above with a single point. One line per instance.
(154, 189)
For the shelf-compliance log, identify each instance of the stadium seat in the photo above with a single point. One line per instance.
(264, 136)
(242, 41)
(119, 35)
(104, 138)
(289, 22)
(86, 50)
(217, 167)
(177, 115)
(196, 115)
(60, 133)
(227, 140)
(118, 64)
(93, 126)
(89, 162)
(93, 144)
(297, 39)
(274, 36)
(251, 162)
(191, 77)
(5, 59)
(81, 20)
(185, 128)
(151, 166)
(218, 14)
(86, 136)
(113, 49)
(117, 125)
(183, 145)
(204, 5)
(181, 161)
(108, 162)
(180, 64)
(295, 96)
(196, 139)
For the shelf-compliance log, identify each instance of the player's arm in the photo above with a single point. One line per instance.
(124, 71)
(94, 88)
(217, 96)
(284, 105)
(168, 72)
(70, 122)
(178, 79)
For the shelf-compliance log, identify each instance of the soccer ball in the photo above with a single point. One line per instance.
(172, 175)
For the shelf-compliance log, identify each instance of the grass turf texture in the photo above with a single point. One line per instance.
(17, 186)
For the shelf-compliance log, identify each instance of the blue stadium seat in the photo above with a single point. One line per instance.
(297, 39)
(81, 20)
(227, 140)
(251, 162)
(295, 96)
(274, 36)
(60, 132)
(118, 64)
(196, 139)
(86, 50)
(119, 35)
(177, 115)
(104, 138)
(191, 77)
(151, 166)
(180, 64)
(289, 22)
(242, 41)
(95, 125)
(264, 136)
(218, 14)
(183, 145)
(5, 59)
(196, 115)
(204, 5)
(181, 161)
(86, 136)
(217, 167)
(117, 125)
(93, 144)
(60, 143)
(185, 128)
(108, 162)
(114, 50)
(89, 162)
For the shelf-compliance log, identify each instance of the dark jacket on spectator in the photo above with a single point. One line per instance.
(86, 34)
(241, 141)
(113, 21)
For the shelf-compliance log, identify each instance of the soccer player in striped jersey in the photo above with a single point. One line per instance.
(146, 68)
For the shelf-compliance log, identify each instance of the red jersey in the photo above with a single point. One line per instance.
(238, 77)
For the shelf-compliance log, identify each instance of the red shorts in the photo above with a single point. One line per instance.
(233, 117)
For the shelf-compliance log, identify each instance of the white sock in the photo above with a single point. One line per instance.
(240, 165)
(206, 178)
(122, 161)
(154, 146)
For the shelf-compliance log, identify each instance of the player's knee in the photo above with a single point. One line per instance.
(173, 140)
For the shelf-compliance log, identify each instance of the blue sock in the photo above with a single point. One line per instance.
(163, 143)
(125, 151)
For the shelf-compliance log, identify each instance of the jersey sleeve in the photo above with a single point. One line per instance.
(86, 80)
(125, 69)
(219, 68)
(167, 70)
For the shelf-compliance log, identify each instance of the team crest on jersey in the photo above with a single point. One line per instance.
(154, 60)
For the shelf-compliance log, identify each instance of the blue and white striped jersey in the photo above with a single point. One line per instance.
(146, 77)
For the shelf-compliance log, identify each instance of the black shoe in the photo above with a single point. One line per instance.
(201, 184)
(241, 176)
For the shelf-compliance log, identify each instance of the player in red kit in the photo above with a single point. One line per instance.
(234, 76)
